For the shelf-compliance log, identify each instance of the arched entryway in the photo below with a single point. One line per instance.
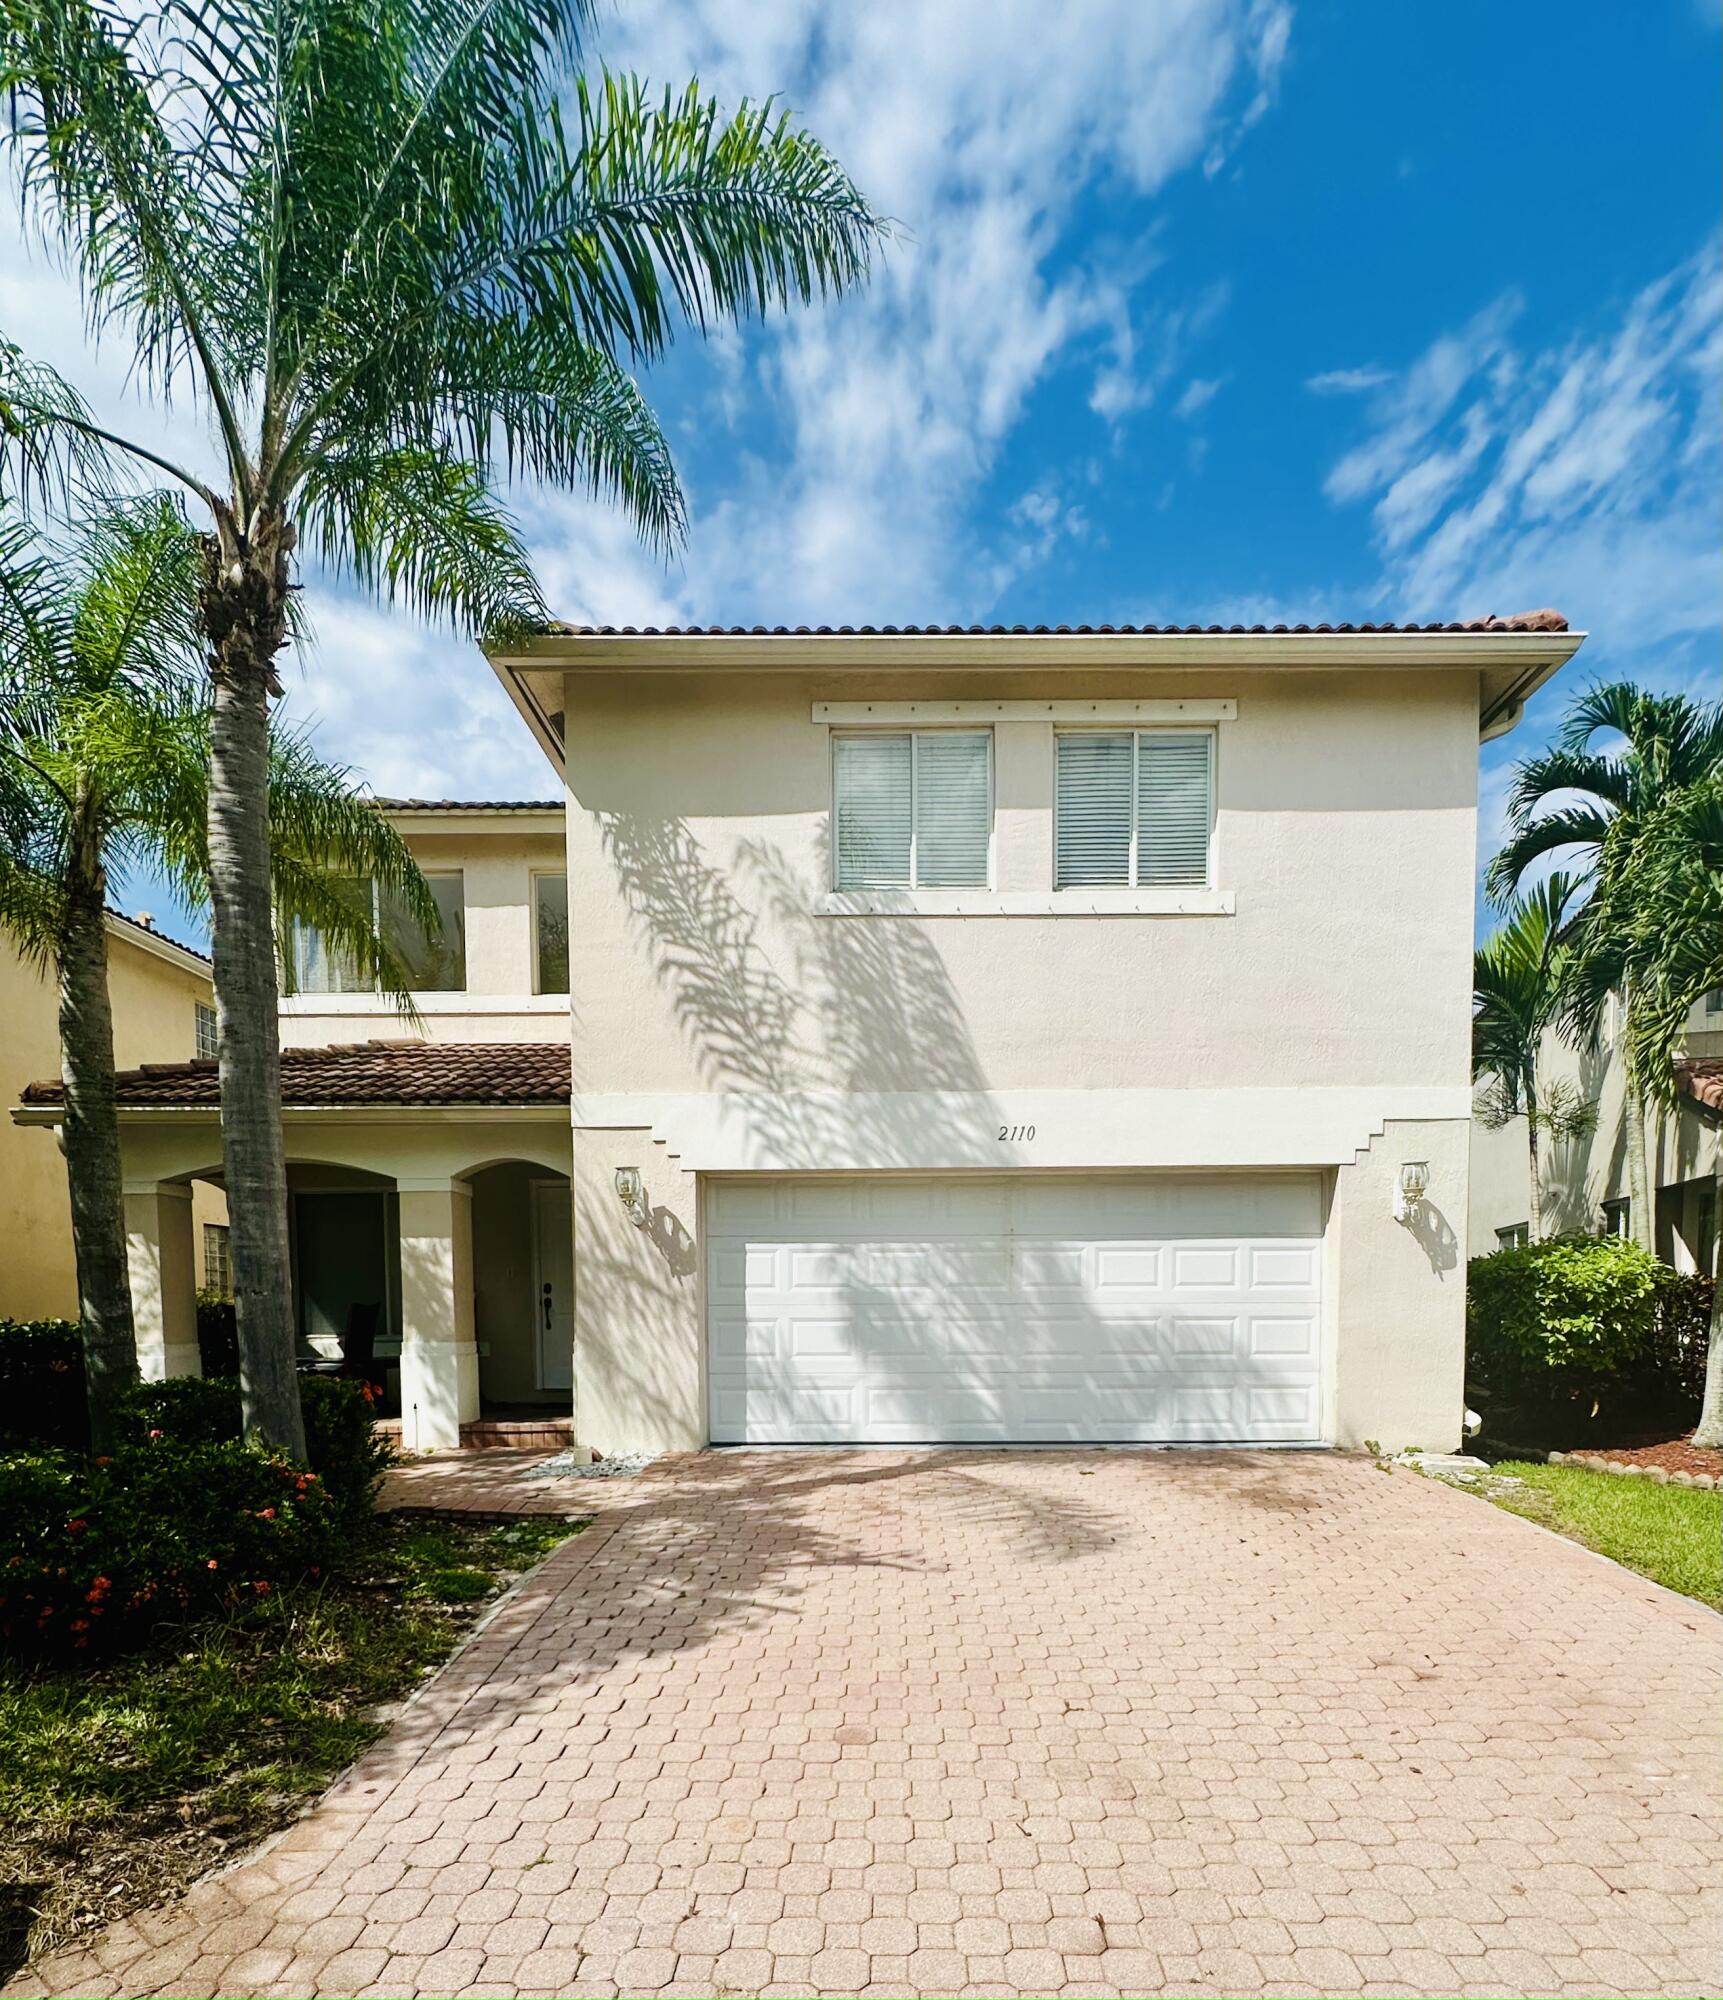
(523, 1290)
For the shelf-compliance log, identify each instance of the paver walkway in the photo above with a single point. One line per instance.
(1079, 1722)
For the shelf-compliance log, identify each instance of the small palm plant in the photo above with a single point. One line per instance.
(1601, 809)
(1518, 982)
(394, 256)
(104, 748)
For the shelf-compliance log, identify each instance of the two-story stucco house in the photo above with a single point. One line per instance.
(946, 1036)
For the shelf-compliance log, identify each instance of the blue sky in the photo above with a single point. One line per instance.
(1199, 309)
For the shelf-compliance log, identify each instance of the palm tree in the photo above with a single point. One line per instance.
(1518, 980)
(104, 743)
(1574, 797)
(1654, 927)
(392, 258)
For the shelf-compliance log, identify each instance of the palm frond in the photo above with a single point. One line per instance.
(137, 565)
(102, 177)
(418, 527)
(1580, 827)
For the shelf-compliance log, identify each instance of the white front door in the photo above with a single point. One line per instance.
(976, 1309)
(553, 1282)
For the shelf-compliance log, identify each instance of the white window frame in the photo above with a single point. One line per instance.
(1133, 887)
(204, 1011)
(1617, 1214)
(1516, 1236)
(911, 888)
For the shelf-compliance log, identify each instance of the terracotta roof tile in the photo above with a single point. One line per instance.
(161, 937)
(396, 1072)
(470, 805)
(1702, 1079)
(1519, 621)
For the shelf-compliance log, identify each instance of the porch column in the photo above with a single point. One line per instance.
(163, 1277)
(439, 1354)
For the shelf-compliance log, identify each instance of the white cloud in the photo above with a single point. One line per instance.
(1347, 381)
(1502, 476)
(956, 122)
(1199, 392)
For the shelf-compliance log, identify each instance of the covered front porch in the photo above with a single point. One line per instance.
(432, 1241)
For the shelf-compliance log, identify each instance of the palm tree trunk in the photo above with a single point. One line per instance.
(1535, 1215)
(1710, 1431)
(244, 607)
(92, 1144)
(1639, 1216)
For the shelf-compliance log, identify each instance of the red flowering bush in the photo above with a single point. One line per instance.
(342, 1444)
(93, 1554)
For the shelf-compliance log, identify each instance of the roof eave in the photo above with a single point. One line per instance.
(1511, 665)
(549, 1111)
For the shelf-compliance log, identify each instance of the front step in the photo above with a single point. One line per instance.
(503, 1433)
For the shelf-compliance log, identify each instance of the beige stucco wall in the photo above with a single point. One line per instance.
(499, 1004)
(154, 1021)
(722, 1023)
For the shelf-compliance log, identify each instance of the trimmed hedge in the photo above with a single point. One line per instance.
(341, 1443)
(42, 1385)
(94, 1553)
(1584, 1328)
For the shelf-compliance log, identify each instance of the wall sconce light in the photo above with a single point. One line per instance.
(1410, 1190)
(632, 1194)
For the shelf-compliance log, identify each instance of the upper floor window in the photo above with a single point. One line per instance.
(433, 965)
(1133, 809)
(208, 1040)
(1618, 1217)
(1515, 1237)
(550, 928)
(912, 809)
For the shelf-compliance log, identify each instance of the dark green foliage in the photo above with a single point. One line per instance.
(342, 1444)
(95, 1553)
(42, 1384)
(1583, 1329)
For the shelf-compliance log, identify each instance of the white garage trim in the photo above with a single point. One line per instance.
(1024, 1309)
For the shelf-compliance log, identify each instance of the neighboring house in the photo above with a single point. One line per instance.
(1585, 1179)
(164, 1011)
(975, 1036)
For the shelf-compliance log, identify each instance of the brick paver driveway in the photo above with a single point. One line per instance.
(1037, 1722)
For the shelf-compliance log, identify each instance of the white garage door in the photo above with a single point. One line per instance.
(1016, 1310)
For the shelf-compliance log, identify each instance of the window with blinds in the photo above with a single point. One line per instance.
(1133, 808)
(911, 809)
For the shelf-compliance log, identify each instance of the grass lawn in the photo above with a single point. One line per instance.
(122, 1783)
(1672, 1534)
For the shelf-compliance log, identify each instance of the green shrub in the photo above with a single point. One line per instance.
(42, 1384)
(94, 1553)
(341, 1442)
(1581, 1336)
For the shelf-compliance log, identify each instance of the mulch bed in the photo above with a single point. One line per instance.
(1674, 1455)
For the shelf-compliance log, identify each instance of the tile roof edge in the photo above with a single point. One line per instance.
(1543, 620)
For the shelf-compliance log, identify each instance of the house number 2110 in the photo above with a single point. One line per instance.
(1009, 1134)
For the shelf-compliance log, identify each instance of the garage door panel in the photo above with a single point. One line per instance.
(1041, 1310)
(1285, 1336)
